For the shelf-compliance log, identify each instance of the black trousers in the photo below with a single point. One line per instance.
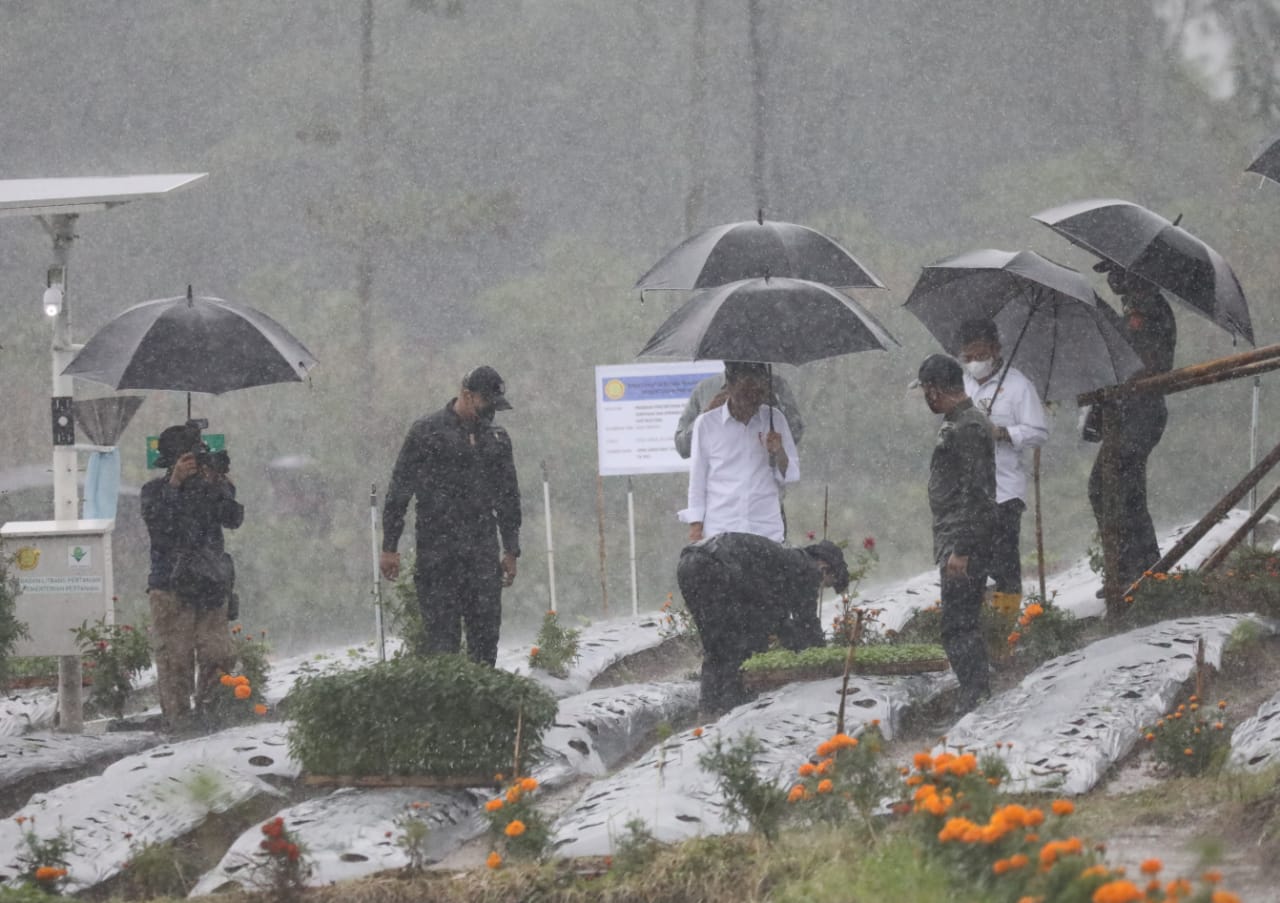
(1118, 484)
(1006, 559)
(461, 590)
(729, 622)
(961, 630)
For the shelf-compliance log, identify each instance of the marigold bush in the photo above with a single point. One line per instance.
(1192, 739)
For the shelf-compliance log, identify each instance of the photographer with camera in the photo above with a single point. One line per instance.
(192, 576)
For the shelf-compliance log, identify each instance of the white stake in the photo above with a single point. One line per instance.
(551, 552)
(377, 573)
(631, 529)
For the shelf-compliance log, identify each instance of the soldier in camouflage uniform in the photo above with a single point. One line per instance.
(962, 498)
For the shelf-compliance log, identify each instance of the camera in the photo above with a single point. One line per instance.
(217, 461)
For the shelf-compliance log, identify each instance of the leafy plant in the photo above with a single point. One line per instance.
(1043, 631)
(833, 657)
(43, 862)
(516, 823)
(11, 629)
(414, 831)
(440, 715)
(636, 849)
(405, 615)
(159, 870)
(556, 648)
(1191, 740)
(241, 697)
(845, 624)
(116, 654)
(747, 796)
(281, 867)
(847, 778)
(678, 623)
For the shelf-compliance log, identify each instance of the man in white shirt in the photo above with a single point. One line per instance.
(738, 462)
(1017, 421)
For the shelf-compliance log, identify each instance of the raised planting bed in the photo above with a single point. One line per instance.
(440, 719)
(766, 670)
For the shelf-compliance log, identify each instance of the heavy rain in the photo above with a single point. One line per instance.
(372, 199)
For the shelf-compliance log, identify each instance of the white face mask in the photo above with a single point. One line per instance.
(980, 370)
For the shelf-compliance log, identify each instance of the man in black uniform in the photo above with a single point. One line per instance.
(962, 498)
(741, 589)
(1130, 429)
(460, 467)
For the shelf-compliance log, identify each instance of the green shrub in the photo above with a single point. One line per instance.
(1191, 739)
(115, 654)
(515, 821)
(11, 629)
(747, 797)
(442, 716)
(249, 661)
(556, 648)
(404, 615)
(1044, 631)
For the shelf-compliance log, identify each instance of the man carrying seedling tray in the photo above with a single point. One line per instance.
(742, 589)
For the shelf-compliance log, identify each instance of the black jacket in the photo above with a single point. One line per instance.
(463, 476)
(962, 484)
(186, 517)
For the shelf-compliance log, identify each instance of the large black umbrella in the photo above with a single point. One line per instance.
(1159, 251)
(777, 321)
(1268, 161)
(1047, 314)
(192, 344)
(755, 249)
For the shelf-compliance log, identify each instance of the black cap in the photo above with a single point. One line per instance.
(735, 370)
(833, 557)
(1104, 265)
(175, 442)
(941, 371)
(486, 382)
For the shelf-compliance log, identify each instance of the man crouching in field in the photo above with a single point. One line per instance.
(741, 589)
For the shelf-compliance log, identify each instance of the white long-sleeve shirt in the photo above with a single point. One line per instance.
(732, 488)
(1018, 409)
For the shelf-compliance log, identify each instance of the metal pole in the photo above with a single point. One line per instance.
(1039, 525)
(61, 227)
(631, 532)
(377, 573)
(551, 552)
(604, 572)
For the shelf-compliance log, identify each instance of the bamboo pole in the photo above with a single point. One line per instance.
(1259, 512)
(1206, 523)
(1247, 370)
(1160, 382)
(1039, 523)
(848, 665)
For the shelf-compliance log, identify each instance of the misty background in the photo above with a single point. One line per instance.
(415, 187)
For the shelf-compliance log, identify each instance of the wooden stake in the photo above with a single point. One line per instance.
(515, 770)
(854, 639)
(1161, 382)
(825, 498)
(1219, 556)
(1200, 670)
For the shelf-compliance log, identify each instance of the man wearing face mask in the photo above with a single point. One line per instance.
(1010, 402)
(460, 467)
(962, 499)
(1130, 429)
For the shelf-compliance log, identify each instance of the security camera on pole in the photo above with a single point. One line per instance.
(58, 204)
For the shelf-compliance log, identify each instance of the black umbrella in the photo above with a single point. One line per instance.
(1047, 315)
(778, 321)
(755, 249)
(1268, 162)
(190, 344)
(1159, 251)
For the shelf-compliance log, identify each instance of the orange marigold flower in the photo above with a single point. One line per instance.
(1034, 610)
(826, 765)
(1031, 838)
(1117, 892)
(825, 786)
(50, 873)
(513, 795)
(797, 793)
(697, 732)
(1014, 637)
(1188, 751)
(1150, 866)
(825, 748)
(227, 680)
(1019, 861)
(915, 780)
(1222, 703)
(923, 761)
(936, 805)
(533, 651)
(1218, 725)
(515, 829)
(1194, 698)
(259, 709)
(807, 770)
(494, 861)
(1151, 738)
(1035, 818)
(1213, 876)
(1000, 866)
(844, 741)
(1222, 896)
(1063, 807)
(528, 785)
(1095, 871)
(243, 691)
(493, 805)
(241, 680)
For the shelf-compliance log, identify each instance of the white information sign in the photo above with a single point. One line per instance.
(637, 409)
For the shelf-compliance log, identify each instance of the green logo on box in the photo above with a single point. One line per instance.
(215, 441)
